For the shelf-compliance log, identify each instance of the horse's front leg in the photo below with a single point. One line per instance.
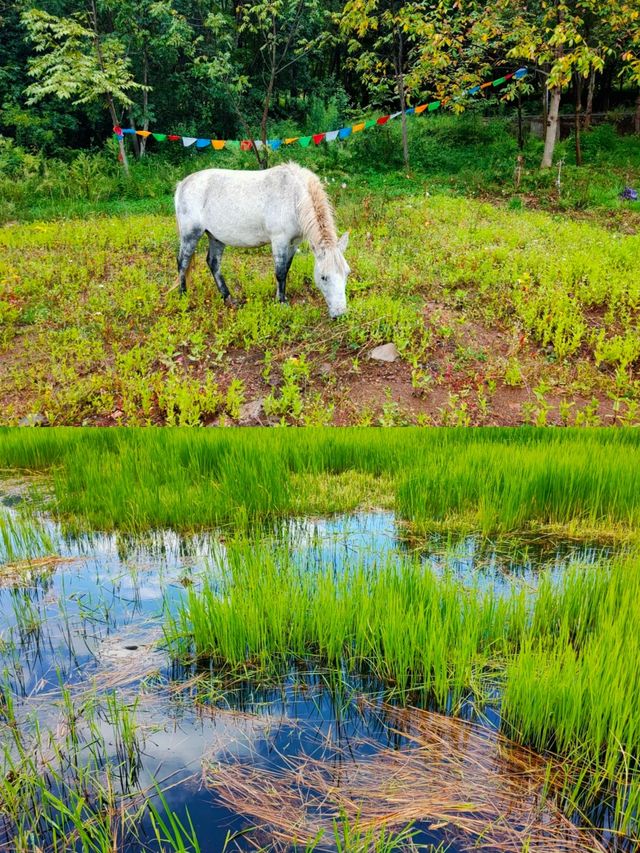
(214, 260)
(282, 257)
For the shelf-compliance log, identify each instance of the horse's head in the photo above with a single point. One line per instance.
(330, 274)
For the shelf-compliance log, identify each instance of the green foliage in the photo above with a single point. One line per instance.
(72, 63)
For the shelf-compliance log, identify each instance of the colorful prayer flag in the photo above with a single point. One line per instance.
(304, 141)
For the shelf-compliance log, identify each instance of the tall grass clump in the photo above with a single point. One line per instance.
(496, 489)
(22, 537)
(396, 620)
(494, 480)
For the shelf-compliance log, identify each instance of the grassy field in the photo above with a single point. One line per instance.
(508, 304)
(500, 315)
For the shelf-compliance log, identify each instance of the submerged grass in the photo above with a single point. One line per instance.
(496, 480)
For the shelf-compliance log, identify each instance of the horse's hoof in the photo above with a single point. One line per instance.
(230, 302)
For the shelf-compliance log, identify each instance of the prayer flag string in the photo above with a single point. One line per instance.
(315, 138)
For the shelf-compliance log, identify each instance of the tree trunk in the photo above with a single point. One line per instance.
(578, 110)
(520, 133)
(399, 60)
(123, 150)
(145, 102)
(552, 129)
(109, 96)
(590, 91)
(636, 122)
(134, 136)
(545, 101)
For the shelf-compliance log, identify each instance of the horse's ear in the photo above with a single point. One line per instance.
(343, 242)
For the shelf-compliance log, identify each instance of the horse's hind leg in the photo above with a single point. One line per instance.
(214, 259)
(188, 243)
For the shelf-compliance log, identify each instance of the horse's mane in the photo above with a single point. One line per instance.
(314, 209)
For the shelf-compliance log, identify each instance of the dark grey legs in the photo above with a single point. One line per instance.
(214, 259)
(282, 257)
(188, 243)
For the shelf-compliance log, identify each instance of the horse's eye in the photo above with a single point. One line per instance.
(323, 278)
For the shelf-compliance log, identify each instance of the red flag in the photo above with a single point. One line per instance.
(117, 130)
(383, 119)
(245, 145)
(174, 137)
(318, 137)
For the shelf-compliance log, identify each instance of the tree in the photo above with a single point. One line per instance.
(75, 62)
(569, 39)
(379, 34)
(155, 35)
(275, 29)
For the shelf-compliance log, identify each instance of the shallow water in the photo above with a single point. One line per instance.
(94, 621)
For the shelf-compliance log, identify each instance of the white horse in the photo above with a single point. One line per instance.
(281, 206)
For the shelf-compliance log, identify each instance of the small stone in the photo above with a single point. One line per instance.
(386, 352)
(250, 411)
(325, 369)
(34, 419)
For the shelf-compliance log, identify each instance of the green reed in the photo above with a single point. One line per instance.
(496, 480)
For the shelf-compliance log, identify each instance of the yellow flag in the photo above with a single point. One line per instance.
(357, 127)
(218, 144)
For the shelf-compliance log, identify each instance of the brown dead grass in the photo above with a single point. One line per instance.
(480, 789)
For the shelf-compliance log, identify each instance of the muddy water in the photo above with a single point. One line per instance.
(93, 623)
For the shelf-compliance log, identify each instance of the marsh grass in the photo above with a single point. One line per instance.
(563, 662)
(494, 480)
